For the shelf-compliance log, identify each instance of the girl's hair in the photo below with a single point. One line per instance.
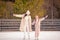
(35, 17)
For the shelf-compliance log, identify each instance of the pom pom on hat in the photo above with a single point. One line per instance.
(28, 12)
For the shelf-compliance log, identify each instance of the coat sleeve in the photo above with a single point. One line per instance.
(30, 24)
(17, 15)
(41, 19)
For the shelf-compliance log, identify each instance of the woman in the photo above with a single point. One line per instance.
(25, 23)
(37, 23)
(27, 26)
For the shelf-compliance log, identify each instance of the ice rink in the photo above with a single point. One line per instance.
(44, 35)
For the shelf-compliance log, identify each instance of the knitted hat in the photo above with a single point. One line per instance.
(28, 12)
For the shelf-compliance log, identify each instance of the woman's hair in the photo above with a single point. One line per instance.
(25, 15)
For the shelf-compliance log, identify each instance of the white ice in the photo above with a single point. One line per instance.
(44, 35)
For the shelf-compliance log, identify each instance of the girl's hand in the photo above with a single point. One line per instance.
(46, 16)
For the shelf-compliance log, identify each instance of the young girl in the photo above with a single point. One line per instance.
(37, 23)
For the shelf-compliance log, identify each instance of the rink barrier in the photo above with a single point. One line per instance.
(14, 25)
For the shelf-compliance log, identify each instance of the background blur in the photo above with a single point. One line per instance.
(37, 7)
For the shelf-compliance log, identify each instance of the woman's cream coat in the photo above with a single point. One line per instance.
(23, 23)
